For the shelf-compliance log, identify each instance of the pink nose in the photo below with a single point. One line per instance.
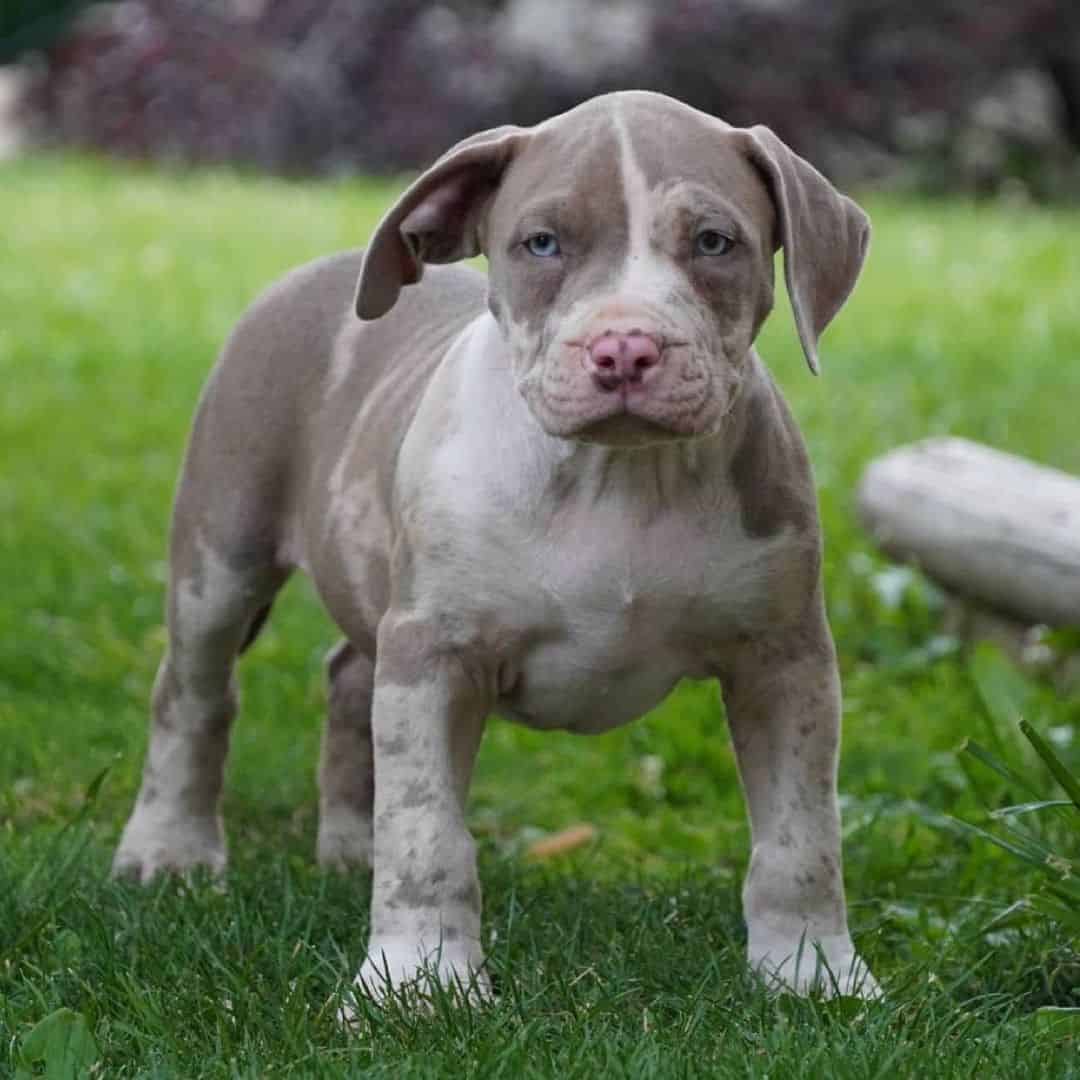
(616, 359)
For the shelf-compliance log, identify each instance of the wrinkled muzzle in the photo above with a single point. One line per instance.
(625, 373)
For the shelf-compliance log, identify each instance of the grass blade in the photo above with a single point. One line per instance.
(1070, 785)
(1003, 691)
(1029, 807)
(1030, 853)
(1019, 911)
(992, 761)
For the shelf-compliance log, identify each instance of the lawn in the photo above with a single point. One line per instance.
(117, 286)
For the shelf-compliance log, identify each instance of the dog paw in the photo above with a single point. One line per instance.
(344, 841)
(827, 967)
(398, 965)
(163, 845)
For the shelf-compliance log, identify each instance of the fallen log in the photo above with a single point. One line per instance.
(996, 528)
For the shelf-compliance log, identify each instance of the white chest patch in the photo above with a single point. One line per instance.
(601, 577)
(602, 601)
(632, 610)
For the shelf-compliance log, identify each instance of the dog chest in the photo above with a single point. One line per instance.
(598, 578)
(619, 616)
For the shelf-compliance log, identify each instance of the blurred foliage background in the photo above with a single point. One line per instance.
(933, 95)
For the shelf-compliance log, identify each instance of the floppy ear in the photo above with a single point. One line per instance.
(437, 220)
(823, 233)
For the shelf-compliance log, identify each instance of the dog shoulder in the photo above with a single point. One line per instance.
(770, 467)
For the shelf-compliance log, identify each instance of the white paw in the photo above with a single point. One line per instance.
(827, 966)
(344, 841)
(398, 964)
(156, 843)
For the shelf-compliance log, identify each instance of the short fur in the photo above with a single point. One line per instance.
(495, 520)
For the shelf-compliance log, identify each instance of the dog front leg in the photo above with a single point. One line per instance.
(428, 718)
(782, 693)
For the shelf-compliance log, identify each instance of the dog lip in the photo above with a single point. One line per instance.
(627, 409)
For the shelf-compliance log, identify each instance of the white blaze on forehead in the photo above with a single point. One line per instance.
(644, 273)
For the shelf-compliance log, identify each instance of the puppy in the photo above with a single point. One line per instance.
(552, 492)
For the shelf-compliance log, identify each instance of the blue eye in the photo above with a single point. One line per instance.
(712, 242)
(544, 245)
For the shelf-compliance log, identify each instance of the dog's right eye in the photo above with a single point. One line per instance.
(712, 242)
(544, 245)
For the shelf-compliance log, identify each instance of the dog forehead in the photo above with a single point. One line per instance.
(583, 156)
(676, 147)
(569, 159)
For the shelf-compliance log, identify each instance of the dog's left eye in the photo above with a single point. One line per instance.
(543, 244)
(712, 242)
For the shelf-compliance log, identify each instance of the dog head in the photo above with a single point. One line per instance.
(630, 245)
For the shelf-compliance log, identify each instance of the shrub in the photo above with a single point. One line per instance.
(942, 93)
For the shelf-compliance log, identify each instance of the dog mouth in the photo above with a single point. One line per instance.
(626, 418)
(631, 414)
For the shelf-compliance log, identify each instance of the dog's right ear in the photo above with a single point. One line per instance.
(437, 219)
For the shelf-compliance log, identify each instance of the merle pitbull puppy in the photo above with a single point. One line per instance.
(551, 492)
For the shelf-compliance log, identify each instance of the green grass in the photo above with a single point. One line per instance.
(116, 287)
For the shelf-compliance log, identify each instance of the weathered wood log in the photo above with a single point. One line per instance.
(991, 526)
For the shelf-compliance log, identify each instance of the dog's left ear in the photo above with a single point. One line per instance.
(823, 233)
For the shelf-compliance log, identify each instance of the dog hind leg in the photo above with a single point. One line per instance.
(346, 769)
(217, 602)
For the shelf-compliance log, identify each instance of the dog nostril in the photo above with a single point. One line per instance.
(619, 358)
